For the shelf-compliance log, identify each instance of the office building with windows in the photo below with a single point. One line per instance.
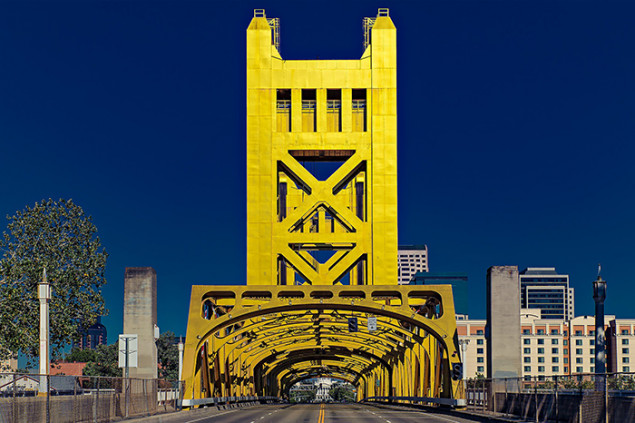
(412, 259)
(620, 340)
(545, 289)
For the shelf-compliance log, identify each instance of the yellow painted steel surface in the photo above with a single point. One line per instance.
(259, 340)
(303, 227)
(321, 241)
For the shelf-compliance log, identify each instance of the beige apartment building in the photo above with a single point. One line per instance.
(552, 347)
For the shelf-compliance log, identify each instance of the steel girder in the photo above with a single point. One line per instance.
(259, 340)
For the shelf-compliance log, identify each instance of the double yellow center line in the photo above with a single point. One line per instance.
(321, 416)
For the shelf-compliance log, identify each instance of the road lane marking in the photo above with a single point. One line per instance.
(209, 417)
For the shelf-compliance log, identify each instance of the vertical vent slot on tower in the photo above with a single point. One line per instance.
(359, 110)
(308, 111)
(283, 110)
(334, 110)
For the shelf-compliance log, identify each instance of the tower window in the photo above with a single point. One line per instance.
(283, 110)
(334, 110)
(308, 111)
(359, 110)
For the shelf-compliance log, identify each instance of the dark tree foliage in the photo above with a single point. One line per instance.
(78, 355)
(168, 356)
(105, 362)
(58, 236)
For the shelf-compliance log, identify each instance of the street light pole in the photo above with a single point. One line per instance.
(44, 294)
(599, 295)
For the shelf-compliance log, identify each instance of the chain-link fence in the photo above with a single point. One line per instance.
(579, 398)
(73, 399)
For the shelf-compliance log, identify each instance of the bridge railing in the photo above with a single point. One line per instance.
(71, 399)
(417, 400)
(576, 398)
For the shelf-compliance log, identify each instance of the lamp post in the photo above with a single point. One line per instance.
(181, 347)
(599, 295)
(463, 343)
(44, 294)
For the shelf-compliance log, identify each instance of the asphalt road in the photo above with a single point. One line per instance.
(317, 413)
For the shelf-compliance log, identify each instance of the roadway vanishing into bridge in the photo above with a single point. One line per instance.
(317, 413)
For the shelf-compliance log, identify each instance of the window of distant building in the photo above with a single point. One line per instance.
(479, 359)
(480, 369)
(579, 370)
(479, 351)
(527, 369)
(626, 369)
(526, 332)
(554, 351)
(541, 350)
(527, 359)
(591, 341)
(554, 331)
(541, 341)
(540, 331)
(479, 332)
(578, 332)
(541, 359)
(554, 342)
(526, 341)
(624, 331)
(479, 342)
(625, 360)
(541, 369)
(624, 341)
(624, 350)
(578, 342)
(578, 360)
(555, 369)
(578, 351)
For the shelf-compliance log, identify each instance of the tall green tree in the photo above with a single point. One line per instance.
(168, 356)
(58, 236)
(104, 362)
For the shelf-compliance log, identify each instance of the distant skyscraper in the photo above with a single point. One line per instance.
(412, 259)
(545, 289)
(93, 336)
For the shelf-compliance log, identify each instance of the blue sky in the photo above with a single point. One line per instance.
(516, 130)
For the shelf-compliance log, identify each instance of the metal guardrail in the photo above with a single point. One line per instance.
(71, 399)
(225, 400)
(441, 401)
(583, 397)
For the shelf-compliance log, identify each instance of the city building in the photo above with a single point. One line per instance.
(93, 336)
(411, 259)
(545, 345)
(552, 347)
(473, 345)
(545, 289)
(457, 280)
(621, 345)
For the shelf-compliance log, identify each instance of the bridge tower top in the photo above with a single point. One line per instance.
(321, 161)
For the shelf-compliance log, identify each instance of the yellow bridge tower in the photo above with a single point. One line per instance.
(322, 297)
(322, 162)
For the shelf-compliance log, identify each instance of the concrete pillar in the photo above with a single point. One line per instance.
(140, 317)
(503, 322)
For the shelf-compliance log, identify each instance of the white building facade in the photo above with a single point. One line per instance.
(411, 259)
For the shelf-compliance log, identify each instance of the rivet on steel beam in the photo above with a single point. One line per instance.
(259, 307)
(321, 301)
(229, 316)
(290, 302)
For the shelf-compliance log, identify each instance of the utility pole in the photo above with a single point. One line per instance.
(44, 294)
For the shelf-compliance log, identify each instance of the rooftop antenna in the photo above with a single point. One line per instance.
(599, 269)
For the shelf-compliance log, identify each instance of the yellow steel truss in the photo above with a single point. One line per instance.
(247, 340)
